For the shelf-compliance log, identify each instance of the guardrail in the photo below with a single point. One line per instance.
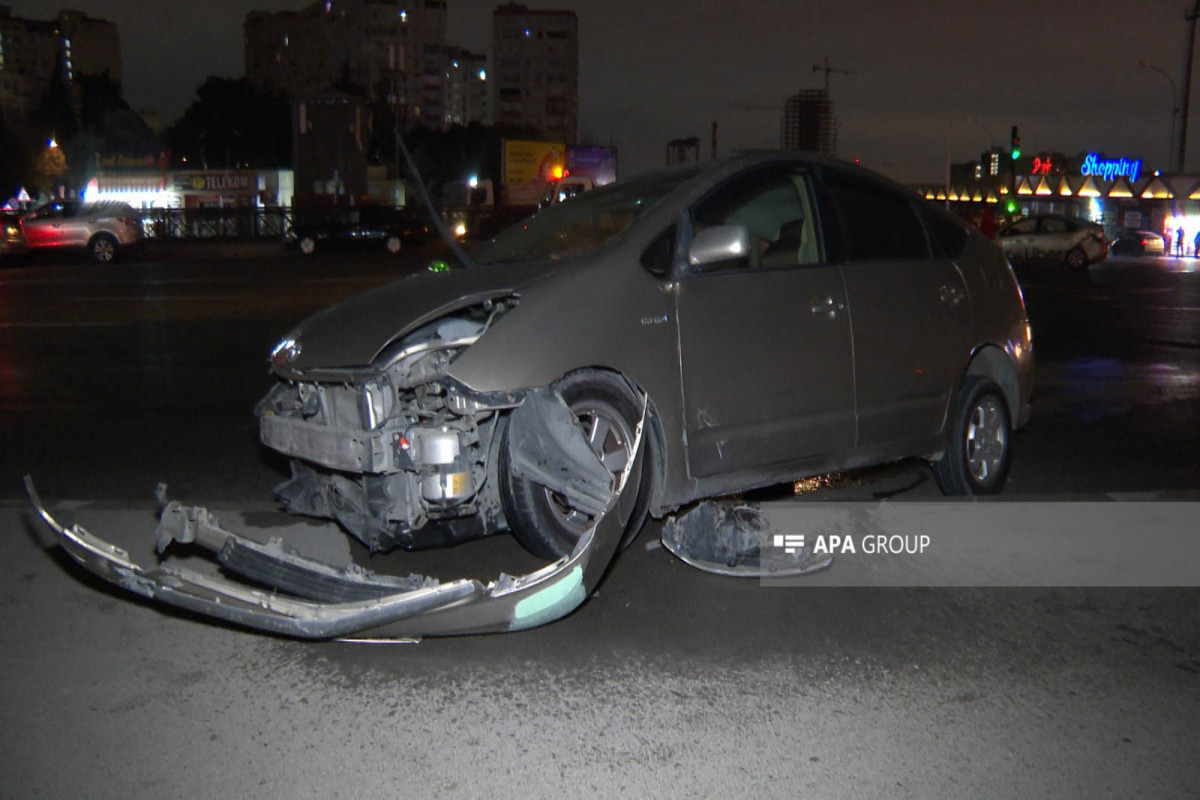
(164, 224)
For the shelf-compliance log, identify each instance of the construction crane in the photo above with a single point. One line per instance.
(828, 70)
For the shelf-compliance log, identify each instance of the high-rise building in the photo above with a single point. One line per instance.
(535, 72)
(466, 95)
(31, 51)
(809, 123)
(393, 50)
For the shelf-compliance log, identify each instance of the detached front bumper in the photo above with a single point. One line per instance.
(311, 599)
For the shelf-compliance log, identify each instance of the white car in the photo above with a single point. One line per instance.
(1054, 238)
(103, 230)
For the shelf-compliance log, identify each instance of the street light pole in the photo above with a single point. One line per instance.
(1187, 83)
(1174, 109)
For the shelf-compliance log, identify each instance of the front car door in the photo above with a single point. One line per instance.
(765, 349)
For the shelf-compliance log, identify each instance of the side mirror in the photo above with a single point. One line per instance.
(719, 245)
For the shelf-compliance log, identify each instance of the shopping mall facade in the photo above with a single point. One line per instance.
(1116, 192)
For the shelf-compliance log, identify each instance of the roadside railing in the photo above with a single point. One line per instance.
(164, 224)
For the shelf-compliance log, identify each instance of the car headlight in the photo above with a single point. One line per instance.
(287, 351)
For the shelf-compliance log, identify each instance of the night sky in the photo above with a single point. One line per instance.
(927, 74)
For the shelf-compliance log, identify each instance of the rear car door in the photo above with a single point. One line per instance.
(764, 341)
(909, 309)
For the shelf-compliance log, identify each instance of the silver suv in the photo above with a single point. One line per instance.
(102, 229)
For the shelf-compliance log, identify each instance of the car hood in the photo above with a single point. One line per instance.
(354, 332)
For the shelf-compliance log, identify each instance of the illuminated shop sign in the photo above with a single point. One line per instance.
(1043, 166)
(217, 182)
(1109, 169)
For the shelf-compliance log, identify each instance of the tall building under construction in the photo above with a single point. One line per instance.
(809, 123)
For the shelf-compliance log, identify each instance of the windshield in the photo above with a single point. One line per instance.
(583, 224)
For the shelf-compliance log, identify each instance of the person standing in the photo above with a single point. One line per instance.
(1179, 241)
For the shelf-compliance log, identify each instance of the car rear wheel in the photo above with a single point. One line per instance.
(1077, 259)
(978, 454)
(102, 248)
(393, 244)
(608, 412)
(307, 245)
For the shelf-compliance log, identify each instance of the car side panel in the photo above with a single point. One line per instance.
(573, 320)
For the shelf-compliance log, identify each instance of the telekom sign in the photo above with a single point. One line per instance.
(1108, 169)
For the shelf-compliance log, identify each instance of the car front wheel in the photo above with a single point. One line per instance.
(608, 412)
(978, 454)
(103, 248)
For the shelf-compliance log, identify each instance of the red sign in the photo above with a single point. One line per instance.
(1042, 166)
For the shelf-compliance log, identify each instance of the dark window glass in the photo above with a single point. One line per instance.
(1055, 225)
(658, 256)
(948, 233)
(877, 223)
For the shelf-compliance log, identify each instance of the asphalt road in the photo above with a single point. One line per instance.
(668, 682)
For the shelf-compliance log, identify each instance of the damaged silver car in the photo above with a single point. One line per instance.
(777, 316)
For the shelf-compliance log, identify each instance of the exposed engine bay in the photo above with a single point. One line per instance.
(396, 453)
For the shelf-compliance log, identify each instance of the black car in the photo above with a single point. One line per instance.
(1138, 242)
(364, 226)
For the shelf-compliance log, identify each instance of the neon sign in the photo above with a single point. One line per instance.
(1111, 168)
(1042, 166)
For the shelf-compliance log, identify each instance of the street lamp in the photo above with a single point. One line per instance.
(1174, 109)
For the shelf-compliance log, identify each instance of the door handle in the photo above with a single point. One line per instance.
(951, 295)
(828, 307)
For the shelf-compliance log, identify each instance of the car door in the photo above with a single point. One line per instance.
(1056, 235)
(1017, 239)
(44, 227)
(909, 310)
(765, 356)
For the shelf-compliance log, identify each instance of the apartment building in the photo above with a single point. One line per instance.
(535, 72)
(31, 51)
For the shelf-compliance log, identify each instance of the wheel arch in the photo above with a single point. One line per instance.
(990, 361)
(652, 432)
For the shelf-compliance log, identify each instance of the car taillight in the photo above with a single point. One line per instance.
(126, 220)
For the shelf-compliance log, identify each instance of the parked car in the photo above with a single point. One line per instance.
(12, 235)
(1051, 237)
(363, 226)
(775, 315)
(1138, 242)
(103, 230)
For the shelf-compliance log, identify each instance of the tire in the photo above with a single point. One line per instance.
(393, 244)
(307, 245)
(102, 248)
(979, 451)
(609, 411)
(1077, 259)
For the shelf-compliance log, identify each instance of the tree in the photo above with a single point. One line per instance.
(49, 169)
(233, 125)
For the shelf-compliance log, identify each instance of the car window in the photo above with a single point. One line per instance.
(949, 234)
(774, 205)
(657, 258)
(1024, 226)
(1055, 225)
(877, 223)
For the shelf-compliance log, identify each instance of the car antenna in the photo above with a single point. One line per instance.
(455, 247)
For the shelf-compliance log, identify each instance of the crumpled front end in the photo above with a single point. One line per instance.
(272, 588)
(396, 453)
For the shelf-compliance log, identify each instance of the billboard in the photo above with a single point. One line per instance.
(598, 163)
(532, 162)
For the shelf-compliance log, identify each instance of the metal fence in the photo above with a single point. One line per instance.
(215, 223)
